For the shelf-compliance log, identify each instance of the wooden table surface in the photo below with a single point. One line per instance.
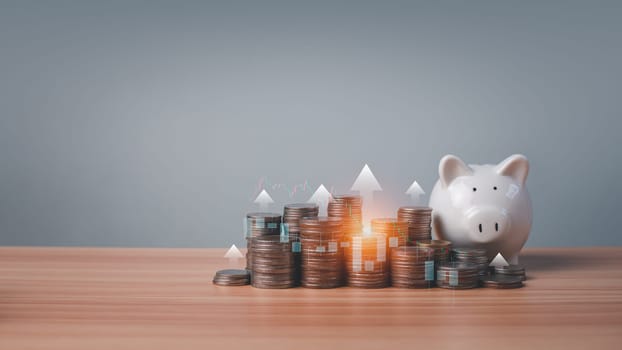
(109, 298)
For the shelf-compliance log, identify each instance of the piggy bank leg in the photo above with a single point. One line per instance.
(513, 260)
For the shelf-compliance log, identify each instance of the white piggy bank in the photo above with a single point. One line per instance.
(483, 206)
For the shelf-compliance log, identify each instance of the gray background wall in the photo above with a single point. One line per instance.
(151, 123)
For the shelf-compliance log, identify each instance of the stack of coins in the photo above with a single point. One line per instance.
(349, 209)
(366, 261)
(457, 275)
(259, 225)
(502, 282)
(273, 263)
(442, 250)
(322, 255)
(395, 231)
(232, 277)
(412, 267)
(475, 256)
(292, 213)
(419, 219)
(511, 270)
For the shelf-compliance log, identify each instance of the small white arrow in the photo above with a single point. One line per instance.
(415, 191)
(233, 253)
(499, 261)
(263, 199)
(366, 184)
(321, 196)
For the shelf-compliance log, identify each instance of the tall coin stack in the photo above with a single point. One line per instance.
(419, 220)
(322, 255)
(475, 256)
(349, 209)
(366, 261)
(457, 275)
(412, 267)
(259, 225)
(273, 263)
(292, 213)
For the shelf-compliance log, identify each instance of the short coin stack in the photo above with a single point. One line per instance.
(273, 263)
(502, 282)
(350, 209)
(412, 267)
(292, 213)
(511, 270)
(457, 275)
(475, 256)
(259, 225)
(232, 277)
(322, 256)
(366, 261)
(419, 219)
(442, 250)
(395, 231)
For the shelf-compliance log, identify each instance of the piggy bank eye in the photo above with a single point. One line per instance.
(494, 188)
(474, 189)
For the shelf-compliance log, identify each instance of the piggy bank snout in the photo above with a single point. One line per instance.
(486, 223)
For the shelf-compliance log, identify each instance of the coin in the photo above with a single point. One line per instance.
(231, 277)
(412, 267)
(502, 282)
(273, 264)
(349, 209)
(257, 225)
(455, 275)
(441, 248)
(511, 270)
(476, 256)
(366, 261)
(322, 264)
(419, 220)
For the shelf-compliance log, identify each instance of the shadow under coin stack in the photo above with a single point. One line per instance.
(366, 261)
(457, 275)
(442, 250)
(475, 256)
(259, 225)
(349, 209)
(412, 267)
(273, 263)
(292, 213)
(322, 257)
(419, 220)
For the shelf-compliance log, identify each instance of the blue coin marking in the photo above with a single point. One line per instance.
(296, 247)
(453, 278)
(284, 233)
(429, 270)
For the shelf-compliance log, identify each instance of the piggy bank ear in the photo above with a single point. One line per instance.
(515, 166)
(450, 168)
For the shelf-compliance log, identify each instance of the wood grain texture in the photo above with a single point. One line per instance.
(109, 298)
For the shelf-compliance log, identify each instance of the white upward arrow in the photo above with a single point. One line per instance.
(415, 191)
(233, 253)
(499, 261)
(366, 184)
(321, 196)
(263, 199)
